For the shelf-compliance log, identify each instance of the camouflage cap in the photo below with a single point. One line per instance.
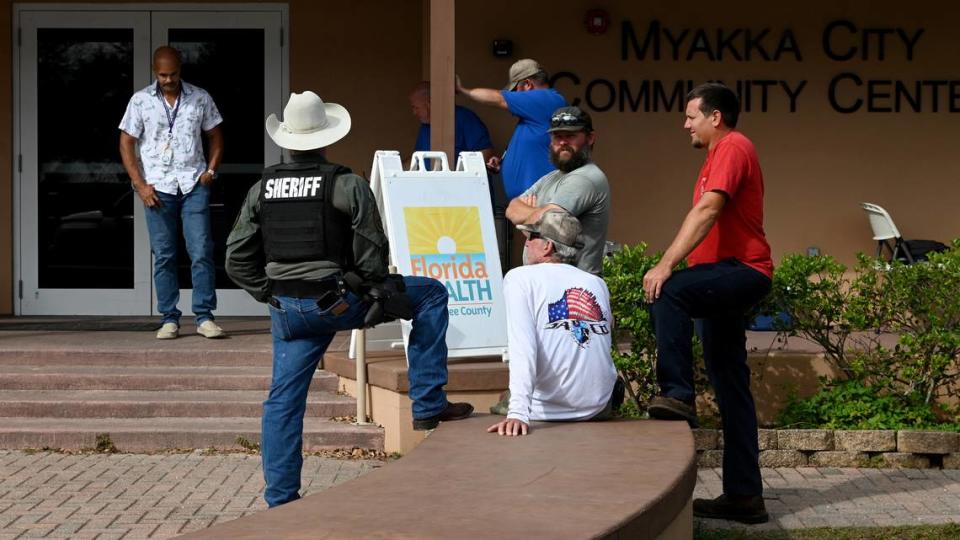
(558, 226)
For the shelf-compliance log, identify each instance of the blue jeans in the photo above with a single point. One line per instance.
(718, 296)
(192, 209)
(301, 334)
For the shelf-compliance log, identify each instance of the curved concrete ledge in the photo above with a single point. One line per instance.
(618, 479)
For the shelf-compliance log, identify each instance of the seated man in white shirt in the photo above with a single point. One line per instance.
(559, 330)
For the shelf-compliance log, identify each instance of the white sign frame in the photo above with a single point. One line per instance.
(478, 322)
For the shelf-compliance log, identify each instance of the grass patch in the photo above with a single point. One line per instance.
(924, 532)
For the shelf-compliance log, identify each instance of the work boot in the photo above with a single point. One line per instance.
(668, 408)
(742, 508)
(454, 411)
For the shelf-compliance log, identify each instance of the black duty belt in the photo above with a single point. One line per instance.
(301, 288)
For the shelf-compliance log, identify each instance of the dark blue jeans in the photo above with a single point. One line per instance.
(301, 334)
(193, 211)
(717, 296)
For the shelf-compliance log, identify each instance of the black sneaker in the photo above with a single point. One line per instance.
(745, 509)
(668, 408)
(454, 411)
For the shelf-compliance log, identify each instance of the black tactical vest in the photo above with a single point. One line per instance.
(297, 216)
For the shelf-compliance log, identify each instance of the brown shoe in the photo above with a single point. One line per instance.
(668, 408)
(745, 509)
(454, 411)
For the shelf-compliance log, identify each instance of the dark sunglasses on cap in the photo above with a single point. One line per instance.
(566, 119)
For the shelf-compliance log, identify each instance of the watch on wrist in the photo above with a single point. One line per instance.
(213, 173)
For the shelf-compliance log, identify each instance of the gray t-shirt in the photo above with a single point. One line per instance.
(585, 193)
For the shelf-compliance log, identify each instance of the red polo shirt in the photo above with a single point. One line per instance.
(732, 167)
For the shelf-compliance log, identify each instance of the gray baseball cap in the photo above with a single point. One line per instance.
(558, 226)
(520, 70)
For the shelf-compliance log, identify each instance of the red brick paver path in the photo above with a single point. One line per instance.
(100, 496)
(807, 497)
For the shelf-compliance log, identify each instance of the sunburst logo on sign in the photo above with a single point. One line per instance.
(446, 243)
(444, 229)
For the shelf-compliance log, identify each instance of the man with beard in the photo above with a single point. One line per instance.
(578, 186)
(558, 324)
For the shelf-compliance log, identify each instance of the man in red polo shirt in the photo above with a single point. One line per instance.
(729, 271)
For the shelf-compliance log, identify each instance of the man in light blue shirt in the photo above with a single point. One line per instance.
(173, 180)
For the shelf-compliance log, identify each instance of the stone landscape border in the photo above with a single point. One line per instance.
(841, 448)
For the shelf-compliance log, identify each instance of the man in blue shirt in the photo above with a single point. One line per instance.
(527, 96)
(470, 133)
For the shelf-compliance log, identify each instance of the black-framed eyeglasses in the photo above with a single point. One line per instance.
(533, 235)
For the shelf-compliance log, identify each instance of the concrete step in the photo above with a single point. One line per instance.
(69, 355)
(154, 434)
(152, 404)
(147, 378)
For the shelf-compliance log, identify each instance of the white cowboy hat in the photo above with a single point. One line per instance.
(308, 123)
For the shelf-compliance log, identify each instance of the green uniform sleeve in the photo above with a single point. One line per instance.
(371, 251)
(245, 258)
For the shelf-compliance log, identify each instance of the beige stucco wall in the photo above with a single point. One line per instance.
(818, 163)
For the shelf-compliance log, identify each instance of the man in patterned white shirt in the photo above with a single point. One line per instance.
(173, 179)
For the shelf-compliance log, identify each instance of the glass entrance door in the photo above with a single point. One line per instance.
(81, 232)
(82, 243)
(236, 57)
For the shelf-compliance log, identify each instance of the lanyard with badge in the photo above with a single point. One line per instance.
(166, 154)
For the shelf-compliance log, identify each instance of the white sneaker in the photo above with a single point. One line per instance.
(169, 330)
(210, 330)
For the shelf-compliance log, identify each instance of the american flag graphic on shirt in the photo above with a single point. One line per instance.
(576, 304)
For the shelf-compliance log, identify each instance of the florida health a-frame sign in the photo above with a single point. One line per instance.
(440, 225)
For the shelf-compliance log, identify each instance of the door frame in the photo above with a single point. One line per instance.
(234, 303)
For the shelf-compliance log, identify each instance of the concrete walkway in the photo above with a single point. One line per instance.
(99, 496)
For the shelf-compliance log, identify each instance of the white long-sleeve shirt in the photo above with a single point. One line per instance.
(559, 332)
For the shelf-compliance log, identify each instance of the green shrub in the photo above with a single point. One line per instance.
(815, 293)
(882, 386)
(845, 312)
(851, 405)
(919, 303)
(623, 272)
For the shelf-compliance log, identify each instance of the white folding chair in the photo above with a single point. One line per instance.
(886, 234)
